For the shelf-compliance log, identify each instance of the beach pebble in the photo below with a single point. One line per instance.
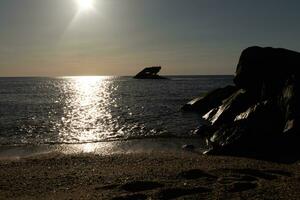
(188, 147)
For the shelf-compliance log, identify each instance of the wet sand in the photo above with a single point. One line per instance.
(177, 175)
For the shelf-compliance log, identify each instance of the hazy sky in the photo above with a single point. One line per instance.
(118, 37)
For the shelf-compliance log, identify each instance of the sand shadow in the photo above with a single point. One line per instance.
(195, 174)
(239, 180)
(131, 197)
(254, 173)
(138, 186)
(172, 193)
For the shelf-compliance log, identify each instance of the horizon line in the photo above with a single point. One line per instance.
(65, 76)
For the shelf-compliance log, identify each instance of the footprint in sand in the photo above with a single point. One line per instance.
(195, 174)
(172, 193)
(107, 187)
(138, 186)
(131, 197)
(259, 174)
(239, 180)
(240, 186)
(279, 173)
(134, 186)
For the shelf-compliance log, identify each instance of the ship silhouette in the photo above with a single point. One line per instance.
(149, 73)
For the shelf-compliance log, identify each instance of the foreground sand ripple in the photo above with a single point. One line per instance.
(147, 176)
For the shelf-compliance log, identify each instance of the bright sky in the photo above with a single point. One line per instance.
(119, 37)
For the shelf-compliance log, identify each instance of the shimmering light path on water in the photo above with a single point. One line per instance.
(88, 110)
(87, 114)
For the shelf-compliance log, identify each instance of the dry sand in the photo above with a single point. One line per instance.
(147, 176)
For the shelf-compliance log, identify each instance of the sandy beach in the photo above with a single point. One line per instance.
(177, 175)
(149, 100)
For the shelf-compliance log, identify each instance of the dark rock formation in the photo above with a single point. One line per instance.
(266, 70)
(260, 114)
(209, 101)
(149, 73)
(230, 107)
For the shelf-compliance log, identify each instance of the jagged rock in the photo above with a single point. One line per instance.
(288, 103)
(265, 70)
(261, 113)
(235, 104)
(251, 130)
(212, 99)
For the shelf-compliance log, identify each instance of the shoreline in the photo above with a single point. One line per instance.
(155, 175)
(146, 145)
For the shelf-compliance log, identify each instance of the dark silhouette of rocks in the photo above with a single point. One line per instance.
(210, 101)
(266, 70)
(260, 114)
(149, 73)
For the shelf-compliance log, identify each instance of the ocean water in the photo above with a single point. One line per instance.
(89, 110)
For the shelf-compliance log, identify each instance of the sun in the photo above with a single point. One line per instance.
(85, 5)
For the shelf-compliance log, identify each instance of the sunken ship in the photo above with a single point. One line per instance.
(149, 73)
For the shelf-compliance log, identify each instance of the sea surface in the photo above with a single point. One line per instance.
(98, 110)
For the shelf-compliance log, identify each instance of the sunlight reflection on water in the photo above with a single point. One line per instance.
(98, 113)
(86, 106)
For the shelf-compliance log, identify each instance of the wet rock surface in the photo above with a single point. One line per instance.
(260, 114)
(211, 100)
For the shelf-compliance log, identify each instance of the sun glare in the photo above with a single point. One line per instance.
(85, 5)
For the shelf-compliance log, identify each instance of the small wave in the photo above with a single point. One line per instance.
(165, 136)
